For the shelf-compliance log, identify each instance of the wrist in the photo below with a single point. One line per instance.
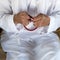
(15, 19)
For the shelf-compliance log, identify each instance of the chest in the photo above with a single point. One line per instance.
(38, 6)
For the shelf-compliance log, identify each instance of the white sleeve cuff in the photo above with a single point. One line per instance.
(53, 24)
(8, 24)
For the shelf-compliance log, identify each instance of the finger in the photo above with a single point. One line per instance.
(43, 23)
(36, 24)
(36, 19)
(27, 17)
(25, 22)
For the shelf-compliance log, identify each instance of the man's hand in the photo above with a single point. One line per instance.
(22, 18)
(41, 20)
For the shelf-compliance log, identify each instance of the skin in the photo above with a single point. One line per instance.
(22, 18)
(39, 20)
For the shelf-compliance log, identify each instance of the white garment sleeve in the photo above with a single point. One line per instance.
(55, 17)
(6, 17)
(47, 47)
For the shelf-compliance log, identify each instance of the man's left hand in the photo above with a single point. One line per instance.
(41, 20)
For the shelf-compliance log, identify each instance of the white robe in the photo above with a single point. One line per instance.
(11, 44)
(49, 7)
(31, 47)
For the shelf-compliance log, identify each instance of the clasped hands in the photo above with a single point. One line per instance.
(24, 18)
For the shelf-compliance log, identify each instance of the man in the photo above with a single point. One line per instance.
(42, 14)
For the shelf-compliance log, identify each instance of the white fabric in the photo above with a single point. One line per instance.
(50, 8)
(26, 45)
(30, 25)
(31, 46)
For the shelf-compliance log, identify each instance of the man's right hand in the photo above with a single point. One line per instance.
(22, 18)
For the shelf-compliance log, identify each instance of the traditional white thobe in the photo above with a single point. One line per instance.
(25, 47)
